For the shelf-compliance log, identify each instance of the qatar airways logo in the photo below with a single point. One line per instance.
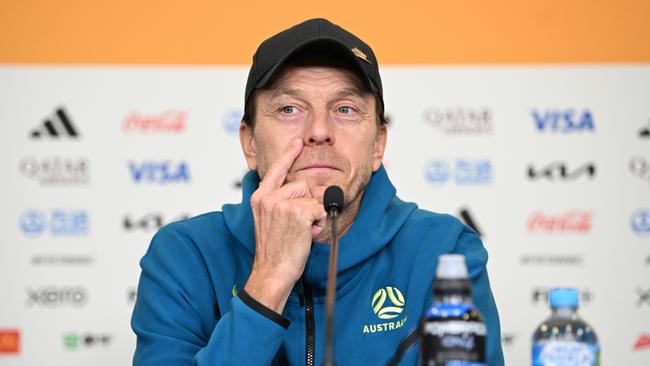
(574, 221)
(169, 121)
(460, 120)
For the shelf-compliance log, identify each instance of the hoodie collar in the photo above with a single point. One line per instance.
(380, 216)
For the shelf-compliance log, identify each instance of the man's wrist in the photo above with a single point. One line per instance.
(263, 310)
(269, 292)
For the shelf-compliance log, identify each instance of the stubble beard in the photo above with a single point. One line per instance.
(353, 196)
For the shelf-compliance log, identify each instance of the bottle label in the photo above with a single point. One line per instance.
(565, 353)
(449, 340)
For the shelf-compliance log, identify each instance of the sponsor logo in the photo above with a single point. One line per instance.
(468, 219)
(58, 125)
(9, 341)
(77, 341)
(159, 172)
(461, 172)
(232, 119)
(169, 121)
(574, 221)
(62, 260)
(57, 222)
(237, 183)
(539, 296)
(131, 294)
(563, 121)
(508, 339)
(148, 222)
(640, 167)
(387, 303)
(54, 296)
(556, 171)
(357, 52)
(640, 222)
(564, 352)
(460, 120)
(644, 132)
(56, 170)
(644, 296)
(552, 260)
(642, 343)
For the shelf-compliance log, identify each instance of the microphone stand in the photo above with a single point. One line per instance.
(331, 293)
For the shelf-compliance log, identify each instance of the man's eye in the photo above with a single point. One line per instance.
(345, 110)
(288, 109)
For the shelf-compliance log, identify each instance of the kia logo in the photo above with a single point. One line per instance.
(561, 171)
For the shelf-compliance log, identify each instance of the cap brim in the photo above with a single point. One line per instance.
(327, 42)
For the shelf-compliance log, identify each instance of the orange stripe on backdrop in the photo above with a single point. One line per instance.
(401, 32)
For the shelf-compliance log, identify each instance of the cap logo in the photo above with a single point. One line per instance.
(357, 52)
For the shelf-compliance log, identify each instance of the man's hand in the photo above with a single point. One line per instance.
(286, 219)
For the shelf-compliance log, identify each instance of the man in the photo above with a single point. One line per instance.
(246, 286)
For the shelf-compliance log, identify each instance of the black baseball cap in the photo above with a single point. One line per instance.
(320, 34)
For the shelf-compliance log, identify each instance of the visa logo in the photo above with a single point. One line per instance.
(563, 121)
(159, 172)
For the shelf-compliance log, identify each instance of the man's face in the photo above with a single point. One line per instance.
(328, 109)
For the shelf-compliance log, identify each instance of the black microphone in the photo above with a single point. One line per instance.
(333, 202)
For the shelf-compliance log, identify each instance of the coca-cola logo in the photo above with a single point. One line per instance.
(168, 121)
(643, 342)
(574, 221)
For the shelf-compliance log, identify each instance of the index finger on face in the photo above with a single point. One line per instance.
(277, 173)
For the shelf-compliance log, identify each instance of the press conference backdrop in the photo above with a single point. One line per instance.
(550, 163)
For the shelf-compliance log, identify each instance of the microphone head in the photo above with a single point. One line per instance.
(333, 199)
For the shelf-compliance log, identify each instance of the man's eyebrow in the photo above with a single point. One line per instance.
(349, 92)
(297, 92)
(278, 92)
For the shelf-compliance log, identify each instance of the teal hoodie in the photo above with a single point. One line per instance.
(191, 310)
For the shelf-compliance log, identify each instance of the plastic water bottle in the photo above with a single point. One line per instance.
(564, 339)
(453, 332)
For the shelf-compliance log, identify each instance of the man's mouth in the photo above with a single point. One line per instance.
(317, 167)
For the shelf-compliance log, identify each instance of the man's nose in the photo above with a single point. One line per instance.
(319, 129)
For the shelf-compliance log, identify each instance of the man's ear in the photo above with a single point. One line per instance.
(380, 147)
(248, 145)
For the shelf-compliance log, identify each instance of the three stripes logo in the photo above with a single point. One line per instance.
(59, 125)
(391, 308)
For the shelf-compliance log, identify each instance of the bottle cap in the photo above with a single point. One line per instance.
(451, 266)
(563, 297)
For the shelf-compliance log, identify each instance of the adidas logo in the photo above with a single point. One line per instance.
(645, 131)
(56, 126)
(467, 218)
